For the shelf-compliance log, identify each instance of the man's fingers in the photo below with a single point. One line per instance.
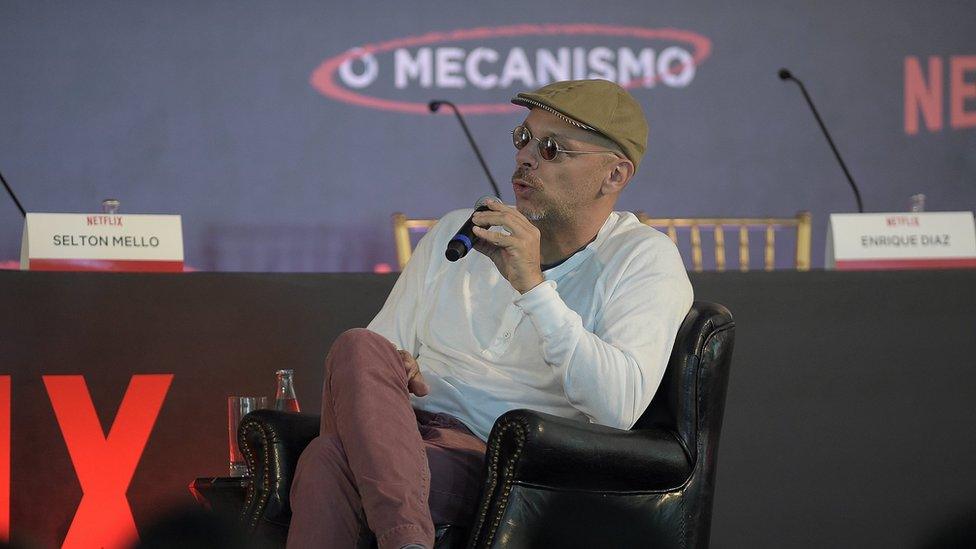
(498, 206)
(418, 386)
(508, 219)
(492, 237)
(492, 219)
(415, 379)
(405, 357)
(514, 216)
(485, 248)
(409, 364)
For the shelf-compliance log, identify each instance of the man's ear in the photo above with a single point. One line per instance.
(619, 174)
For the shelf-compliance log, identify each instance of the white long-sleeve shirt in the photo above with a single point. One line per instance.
(591, 342)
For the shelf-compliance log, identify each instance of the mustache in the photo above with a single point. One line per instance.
(525, 175)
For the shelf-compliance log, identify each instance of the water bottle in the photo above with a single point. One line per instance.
(285, 399)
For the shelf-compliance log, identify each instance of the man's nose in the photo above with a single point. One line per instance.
(527, 157)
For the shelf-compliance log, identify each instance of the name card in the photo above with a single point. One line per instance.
(102, 242)
(924, 240)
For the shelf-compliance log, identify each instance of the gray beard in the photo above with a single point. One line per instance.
(544, 219)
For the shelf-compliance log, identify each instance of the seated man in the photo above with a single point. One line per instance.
(570, 308)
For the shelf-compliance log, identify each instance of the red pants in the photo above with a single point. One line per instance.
(378, 465)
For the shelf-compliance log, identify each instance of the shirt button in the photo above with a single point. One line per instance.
(507, 335)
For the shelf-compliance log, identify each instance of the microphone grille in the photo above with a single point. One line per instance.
(785, 74)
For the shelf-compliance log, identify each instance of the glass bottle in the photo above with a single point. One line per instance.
(285, 399)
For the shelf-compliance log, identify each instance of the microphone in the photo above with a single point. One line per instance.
(12, 195)
(434, 106)
(784, 74)
(462, 242)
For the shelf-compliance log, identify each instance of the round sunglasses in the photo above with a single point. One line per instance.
(548, 147)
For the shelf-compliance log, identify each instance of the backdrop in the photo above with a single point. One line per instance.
(287, 133)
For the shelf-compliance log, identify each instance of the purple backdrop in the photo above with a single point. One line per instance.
(230, 113)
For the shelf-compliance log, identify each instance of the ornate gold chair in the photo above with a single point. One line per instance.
(402, 227)
(743, 226)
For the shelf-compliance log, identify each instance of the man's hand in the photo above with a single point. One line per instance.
(415, 380)
(516, 255)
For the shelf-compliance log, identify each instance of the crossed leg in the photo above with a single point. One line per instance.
(370, 468)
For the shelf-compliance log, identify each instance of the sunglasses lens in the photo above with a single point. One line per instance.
(521, 136)
(548, 148)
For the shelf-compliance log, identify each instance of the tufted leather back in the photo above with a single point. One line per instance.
(271, 442)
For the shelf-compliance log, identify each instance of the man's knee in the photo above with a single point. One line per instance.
(356, 335)
(359, 340)
(357, 350)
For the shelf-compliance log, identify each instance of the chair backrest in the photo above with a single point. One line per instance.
(402, 227)
(698, 367)
(743, 226)
(691, 403)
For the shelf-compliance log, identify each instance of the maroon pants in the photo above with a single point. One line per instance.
(378, 465)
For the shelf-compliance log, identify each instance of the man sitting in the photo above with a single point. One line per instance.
(570, 308)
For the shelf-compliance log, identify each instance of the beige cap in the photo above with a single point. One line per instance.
(596, 105)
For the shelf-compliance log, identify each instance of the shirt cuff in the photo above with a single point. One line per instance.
(545, 307)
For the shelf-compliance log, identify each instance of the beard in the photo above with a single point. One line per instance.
(544, 211)
(539, 214)
(535, 216)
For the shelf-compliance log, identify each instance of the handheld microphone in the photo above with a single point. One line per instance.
(785, 74)
(434, 106)
(12, 195)
(463, 240)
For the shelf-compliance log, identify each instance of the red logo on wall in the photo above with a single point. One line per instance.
(927, 87)
(104, 463)
(379, 75)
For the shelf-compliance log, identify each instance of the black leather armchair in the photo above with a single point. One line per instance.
(558, 482)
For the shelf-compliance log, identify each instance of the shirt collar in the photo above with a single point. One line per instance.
(579, 257)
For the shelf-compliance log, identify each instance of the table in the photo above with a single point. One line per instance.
(849, 418)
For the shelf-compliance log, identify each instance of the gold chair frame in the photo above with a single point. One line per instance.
(802, 223)
(402, 226)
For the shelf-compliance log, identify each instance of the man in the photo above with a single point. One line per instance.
(570, 308)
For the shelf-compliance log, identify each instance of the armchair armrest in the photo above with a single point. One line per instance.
(554, 479)
(271, 442)
(542, 449)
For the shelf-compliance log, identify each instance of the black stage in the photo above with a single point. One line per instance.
(849, 419)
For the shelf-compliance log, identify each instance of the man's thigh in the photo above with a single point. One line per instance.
(456, 458)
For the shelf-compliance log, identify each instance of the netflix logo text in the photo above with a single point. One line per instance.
(928, 84)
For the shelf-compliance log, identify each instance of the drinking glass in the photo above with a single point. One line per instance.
(237, 408)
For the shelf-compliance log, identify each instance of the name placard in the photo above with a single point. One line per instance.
(924, 240)
(102, 242)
